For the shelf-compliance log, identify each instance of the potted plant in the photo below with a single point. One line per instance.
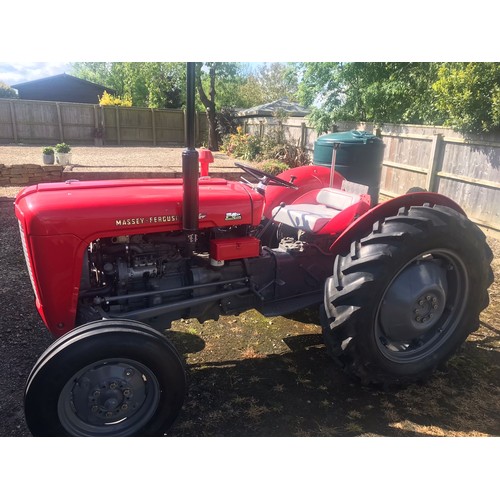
(63, 155)
(48, 155)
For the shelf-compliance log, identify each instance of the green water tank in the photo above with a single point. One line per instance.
(359, 157)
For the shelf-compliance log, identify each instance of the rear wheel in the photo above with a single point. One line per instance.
(106, 378)
(406, 296)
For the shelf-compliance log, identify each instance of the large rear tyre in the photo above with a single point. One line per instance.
(406, 296)
(106, 378)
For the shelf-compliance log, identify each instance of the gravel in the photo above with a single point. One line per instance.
(108, 156)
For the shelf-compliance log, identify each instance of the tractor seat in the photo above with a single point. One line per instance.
(313, 217)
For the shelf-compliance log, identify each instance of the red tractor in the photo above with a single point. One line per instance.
(400, 285)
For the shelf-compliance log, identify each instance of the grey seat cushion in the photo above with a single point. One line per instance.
(336, 198)
(312, 217)
(307, 217)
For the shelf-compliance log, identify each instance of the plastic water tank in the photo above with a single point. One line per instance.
(359, 157)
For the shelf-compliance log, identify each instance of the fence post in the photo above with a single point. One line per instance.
(13, 119)
(153, 124)
(434, 163)
(59, 120)
(96, 119)
(103, 122)
(261, 128)
(303, 135)
(117, 115)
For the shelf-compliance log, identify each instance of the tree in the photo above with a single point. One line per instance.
(165, 82)
(241, 91)
(108, 74)
(469, 95)
(148, 84)
(7, 92)
(378, 92)
(207, 75)
(277, 81)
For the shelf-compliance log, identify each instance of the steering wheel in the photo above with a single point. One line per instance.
(264, 177)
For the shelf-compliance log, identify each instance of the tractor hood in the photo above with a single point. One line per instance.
(91, 209)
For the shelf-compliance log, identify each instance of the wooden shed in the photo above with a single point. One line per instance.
(62, 88)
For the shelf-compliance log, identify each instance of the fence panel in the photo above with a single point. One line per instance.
(51, 122)
(434, 158)
(77, 122)
(37, 123)
(135, 126)
(406, 162)
(170, 125)
(441, 160)
(470, 174)
(7, 133)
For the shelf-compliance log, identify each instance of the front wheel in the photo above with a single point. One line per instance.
(406, 296)
(106, 378)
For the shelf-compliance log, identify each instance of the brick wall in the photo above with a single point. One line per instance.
(24, 175)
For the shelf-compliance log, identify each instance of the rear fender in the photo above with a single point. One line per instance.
(363, 225)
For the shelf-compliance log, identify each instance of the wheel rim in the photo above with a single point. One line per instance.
(112, 397)
(422, 306)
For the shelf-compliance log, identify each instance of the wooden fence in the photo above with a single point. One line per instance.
(295, 130)
(47, 122)
(466, 170)
(435, 158)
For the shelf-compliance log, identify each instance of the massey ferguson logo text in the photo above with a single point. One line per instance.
(147, 220)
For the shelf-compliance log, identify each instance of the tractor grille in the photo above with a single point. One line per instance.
(27, 258)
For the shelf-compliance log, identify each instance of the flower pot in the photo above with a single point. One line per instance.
(48, 159)
(63, 158)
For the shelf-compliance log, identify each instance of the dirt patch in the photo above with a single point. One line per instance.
(256, 376)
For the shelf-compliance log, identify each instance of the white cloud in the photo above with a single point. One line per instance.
(20, 72)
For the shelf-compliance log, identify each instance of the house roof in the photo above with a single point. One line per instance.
(270, 108)
(60, 77)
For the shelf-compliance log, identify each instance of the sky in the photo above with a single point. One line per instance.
(364, 31)
(12, 73)
(20, 72)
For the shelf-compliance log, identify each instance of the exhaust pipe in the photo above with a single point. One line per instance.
(190, 204)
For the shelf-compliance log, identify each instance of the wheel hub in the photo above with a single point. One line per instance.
(107, 394)
(415, 301)
(110, 398)
(426, 308)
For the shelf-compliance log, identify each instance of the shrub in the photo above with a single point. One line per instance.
(48, 150)
(273, 167)
(63, 148)
(271, 147)
(291, 155)
(243, 146)
(112, 100)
